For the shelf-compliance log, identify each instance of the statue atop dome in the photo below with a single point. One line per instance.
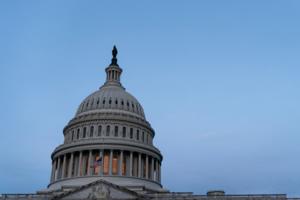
(114, 54)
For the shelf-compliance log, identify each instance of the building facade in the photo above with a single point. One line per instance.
(108, 152)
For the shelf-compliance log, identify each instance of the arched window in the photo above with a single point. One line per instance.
(84, 132)
(109, 101)
(131, 133)
(124, 131)
(138, 134)
(78, 131)
(143, 137)
(99, 130)
(72, 136)
(107, 130)
(116, 131)
(91, 131)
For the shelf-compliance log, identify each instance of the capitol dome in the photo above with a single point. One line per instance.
(108, 139)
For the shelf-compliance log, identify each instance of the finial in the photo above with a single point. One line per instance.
(114, 54)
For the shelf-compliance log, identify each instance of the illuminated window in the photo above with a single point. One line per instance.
(115, 164)
(124, 166)
(106, 164)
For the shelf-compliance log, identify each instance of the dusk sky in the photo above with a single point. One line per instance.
(219, 82)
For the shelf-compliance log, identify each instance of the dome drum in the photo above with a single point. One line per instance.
(106, 161)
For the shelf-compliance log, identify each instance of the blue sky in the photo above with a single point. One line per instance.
(219, 82)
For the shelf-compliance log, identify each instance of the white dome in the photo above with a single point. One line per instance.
(111, 98)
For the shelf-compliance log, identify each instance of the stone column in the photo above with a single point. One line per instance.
(58, 168)
(53, 171)
(152, 168)
(121, 163)
(64, 166)
(71, 165)
(130, 163)
(79, 164)
(110, 162)
(156, 165)
(89, 171)
(100, 172)
(147, 167)
(158, 171)
(140, 165)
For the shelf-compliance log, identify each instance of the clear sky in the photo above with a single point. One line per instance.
(219, 82)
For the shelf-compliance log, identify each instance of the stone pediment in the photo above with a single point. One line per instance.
(99, 190)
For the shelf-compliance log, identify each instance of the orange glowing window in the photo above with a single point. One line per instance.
(106, 165)
(115, 166)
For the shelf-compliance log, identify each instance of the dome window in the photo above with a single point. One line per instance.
(109, 101)
(91, 131)
(143, 137)
(103, 102)
(99, 130)
(97, 102)
(72, 136)
(116, 102)
(124, 131)
(84, 132)
(137, 135)
(131, 133)
(107, 130)
(116, 131)
(122, 103)
(78, 131)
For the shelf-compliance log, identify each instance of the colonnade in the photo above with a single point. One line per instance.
(106, 162)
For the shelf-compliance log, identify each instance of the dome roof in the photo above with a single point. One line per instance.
(111, 97)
